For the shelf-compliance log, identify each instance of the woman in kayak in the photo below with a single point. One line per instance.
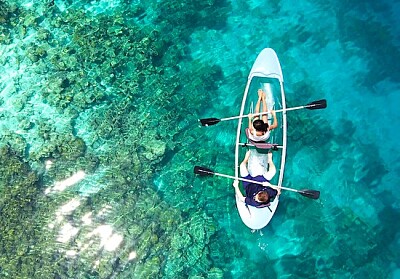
(259, 128)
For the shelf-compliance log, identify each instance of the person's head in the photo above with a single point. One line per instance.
(262, 197)
(259, 125)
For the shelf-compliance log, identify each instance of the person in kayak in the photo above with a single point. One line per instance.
(256, 194)
(259, 128)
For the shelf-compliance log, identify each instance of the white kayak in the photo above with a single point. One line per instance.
(266, 73)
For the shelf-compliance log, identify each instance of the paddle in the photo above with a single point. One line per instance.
(320, 104)
(312, 194)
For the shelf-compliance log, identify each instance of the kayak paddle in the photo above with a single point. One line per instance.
(320, 104)
(312, 194)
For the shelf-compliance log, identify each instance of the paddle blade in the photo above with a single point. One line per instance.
(209, 121)
(312, 194)
(320, 104)
(202, 171)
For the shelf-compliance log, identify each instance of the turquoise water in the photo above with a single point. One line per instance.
(99, 102)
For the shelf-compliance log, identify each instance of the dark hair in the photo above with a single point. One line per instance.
(259, 125)
(263, 196)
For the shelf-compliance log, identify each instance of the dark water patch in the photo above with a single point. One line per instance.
(373, 38)
(386, 197)
(372, 169)
(304, 89)
(346, 127)
(387, 233)
(186, 16)
(300, 32)
(354, 240)
(294, 206)
(298, 266)
(311, 129)
(223, 251)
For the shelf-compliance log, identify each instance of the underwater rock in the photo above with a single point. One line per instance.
(43, 34)
(25, 124)
(134, 231)
(73, 148)
(154, 149)
(16, 142)
(136, 163)
(150, 268)
(7, 11)
(189, 245)
(215, 273)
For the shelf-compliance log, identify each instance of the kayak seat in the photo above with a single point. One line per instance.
(261, 144)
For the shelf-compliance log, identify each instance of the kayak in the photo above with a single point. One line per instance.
(266, 73)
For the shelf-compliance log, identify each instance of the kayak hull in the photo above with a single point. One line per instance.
(266, 73)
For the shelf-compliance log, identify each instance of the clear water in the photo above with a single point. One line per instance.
(99, 102)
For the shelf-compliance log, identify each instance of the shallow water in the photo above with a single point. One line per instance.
(99, 104)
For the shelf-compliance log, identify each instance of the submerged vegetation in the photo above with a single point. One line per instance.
(117, 80)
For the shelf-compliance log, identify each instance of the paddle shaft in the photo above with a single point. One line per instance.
(252, 181)
(262, 113)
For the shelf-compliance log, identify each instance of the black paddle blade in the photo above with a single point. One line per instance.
(312, 194)
(320, 104)
(202, 171)
(209, 121)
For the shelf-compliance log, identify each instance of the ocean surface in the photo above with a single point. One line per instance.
(99, 134)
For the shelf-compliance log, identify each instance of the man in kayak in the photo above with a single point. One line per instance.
(259, 128)
(256, 194)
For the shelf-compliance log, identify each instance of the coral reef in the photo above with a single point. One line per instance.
(21, 230)
(7, 11)
(126, 77)
(7, 20)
